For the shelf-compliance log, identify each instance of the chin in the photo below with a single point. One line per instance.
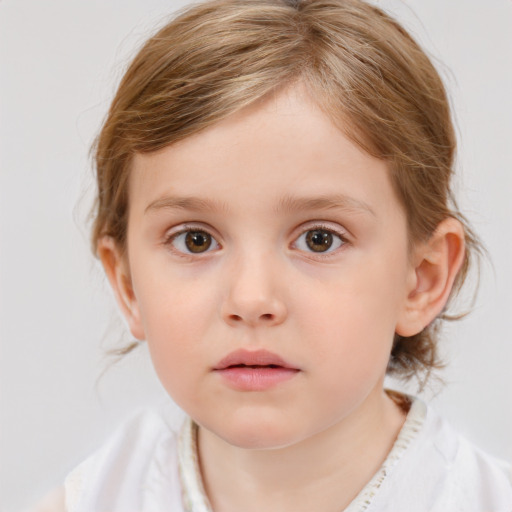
(260, 433)
(257, 440)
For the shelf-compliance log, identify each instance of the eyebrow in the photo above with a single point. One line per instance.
(186, 203)
(287, 204)
(323, 202)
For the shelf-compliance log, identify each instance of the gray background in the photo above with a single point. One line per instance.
(59, 63)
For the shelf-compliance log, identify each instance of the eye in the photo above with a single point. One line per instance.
(319, 240)
(193, 241)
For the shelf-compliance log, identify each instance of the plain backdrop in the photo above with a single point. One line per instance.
(60, 61)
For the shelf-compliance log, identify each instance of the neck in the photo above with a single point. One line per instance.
(324, 472)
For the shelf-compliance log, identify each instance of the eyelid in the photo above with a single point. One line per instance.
(337, 230)
(332, 227)
(173, 233)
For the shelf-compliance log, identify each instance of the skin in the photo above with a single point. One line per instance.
(314, 441)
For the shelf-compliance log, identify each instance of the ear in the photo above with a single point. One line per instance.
(435, 266)
(117, 270)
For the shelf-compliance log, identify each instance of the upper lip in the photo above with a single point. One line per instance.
(251, 358)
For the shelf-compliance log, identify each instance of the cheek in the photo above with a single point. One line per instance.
(351, 324)
(174, 302)
(176, 321)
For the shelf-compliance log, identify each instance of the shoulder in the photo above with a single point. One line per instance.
(446, 471)
(52, 502)
(462, 455)
(136, 467)
(474, 475)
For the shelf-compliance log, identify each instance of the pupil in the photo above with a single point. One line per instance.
(198, 241)
(318, 240)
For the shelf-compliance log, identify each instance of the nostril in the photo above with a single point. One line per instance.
(254, 315)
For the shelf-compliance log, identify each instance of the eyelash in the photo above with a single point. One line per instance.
(170, 239)
(321, 227)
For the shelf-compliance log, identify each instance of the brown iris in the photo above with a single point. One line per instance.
(198, 241)
(319, 240)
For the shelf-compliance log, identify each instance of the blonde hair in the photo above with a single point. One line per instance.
(361, 67)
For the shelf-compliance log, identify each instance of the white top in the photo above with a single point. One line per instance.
(148, 467)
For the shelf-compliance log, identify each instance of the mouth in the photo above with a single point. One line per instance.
(253, 359)
(260, 370)
(254, 366)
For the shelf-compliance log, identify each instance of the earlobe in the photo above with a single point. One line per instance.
(117, 271)
(437, 263)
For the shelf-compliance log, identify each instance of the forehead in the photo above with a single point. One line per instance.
(278, 149)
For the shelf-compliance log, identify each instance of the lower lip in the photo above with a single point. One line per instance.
(244, 378)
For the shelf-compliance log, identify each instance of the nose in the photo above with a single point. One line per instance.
(254, 296)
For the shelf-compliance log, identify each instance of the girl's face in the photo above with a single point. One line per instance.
(268, 271)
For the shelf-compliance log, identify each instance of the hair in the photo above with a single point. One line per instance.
(364, 71)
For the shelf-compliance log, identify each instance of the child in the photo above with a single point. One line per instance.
(275, 218)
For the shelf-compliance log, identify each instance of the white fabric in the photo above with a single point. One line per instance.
(148, 467)
(135, 471)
